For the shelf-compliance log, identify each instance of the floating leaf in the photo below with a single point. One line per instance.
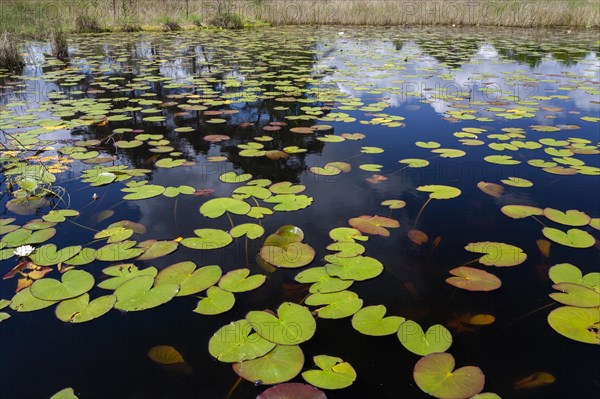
(370, 320)
(292, 325)
(138, 294)
(47, 255)
(24, 301)
(374, 224)
(567, 273)
(520, 211)
(292, 390)
(66, 393)
(497, 253)
(571, 217)
(578, 324)
(250, 230)
(322, 281)
(471, 279)
(576, 295)
(81, 310)
(334, 373)
(238, 281)
(517, 182)
(493, 189)
(357, 268)
(394, 204)
(119, 251)
(436, 339)
(336, 305)
(208, 239)
(217, 301)
(282, 364)
(142, 192)
(218, 206)
(418, 237)
(189, 279)
(535, 380)
(122, 273)
(72, 284)
(435, 375)
(440, 192)
(574, 238)
(236, 342)
(232, 177)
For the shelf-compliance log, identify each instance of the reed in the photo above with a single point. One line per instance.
(10, 56)
(37, 17)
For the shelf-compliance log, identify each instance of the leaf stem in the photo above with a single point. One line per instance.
(420, 212)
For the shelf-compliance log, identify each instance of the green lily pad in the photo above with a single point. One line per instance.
(578, 324)
(217, 301)
(574, 238)
(250, 230)
(568, 273)
(232, 177)
(286, 187)
(321, 281)
(435, 375)
(244, 192)
(123, 273)
(47, 255)
(236, 342)
(501, 160)
(238, 281)
(208, 239)
(576, 295)
(497, 253)
(521, 211)
(571, 217)
(114, 234)
(218, 206)
(374, 224)
(24, 301)
(346, 249)
(428, 144)
(370, 320)
(80, 309)
(292, 255)
(72, 284)
(66, 393)
(189, 279)
(347, 234)
(142, 192)
(138, 294)
(394, 204)
(334, 373)
(118, 251)
(517, 182)
(293, 324)
(414, 162)
(358, 268)
(436, 339)
(282, 364)
(336, 305)
(440, 191)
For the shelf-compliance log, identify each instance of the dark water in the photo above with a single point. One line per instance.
(420, 75)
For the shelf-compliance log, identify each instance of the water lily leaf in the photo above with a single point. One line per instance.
(428, 144)
(238, 281)
(189, 279)
(449, 152)
(292, 390)
(435, 375)
(165, 355)
(574, 238)
(358, 268)
(327, 170)
(250, 230)
(282, 364)
(232, 177)
(493, 189)
(292, 325)
(568, 273)
(142, 192)
(371, 167)
(374, 224)
(578, 324)
(81, 310)
(414, 162)
(571, 217)
(218, 206)
(157, 249)
(336, 305)
(482, 320)
(169, 163)
(497, 253)
(208, 239)
(321, 281)
(440, 191)
(371, 150)
(128, 144)
(288, 255)
(289, 202)
(520, 211)
(114, 234)
(576, 295)
(595, 223)
(471, 279)
(47, 255)
(244, 192)
(334, 373)
(394, 204)
(72, 284)
(24, 301)
(118, 251)
(436, 339)
(217, 301)
(517, 182)
(370, 320)
(346, 249)
(122, 273)
(236, 342)
(66, 393)
(286, 187)
(501, 160)
(138, 294)
(535, 380)
(259, 212)
(347, 234)
(418, 237)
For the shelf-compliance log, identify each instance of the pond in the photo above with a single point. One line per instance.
(469, 146)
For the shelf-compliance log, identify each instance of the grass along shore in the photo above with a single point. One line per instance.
(39, 17)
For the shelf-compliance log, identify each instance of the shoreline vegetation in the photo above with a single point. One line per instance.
(20, 19)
